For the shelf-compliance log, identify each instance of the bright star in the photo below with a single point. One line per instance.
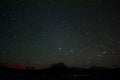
(60, 48)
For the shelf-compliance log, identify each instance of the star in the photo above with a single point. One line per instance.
(104, 52)
(112, 52)
(12, 19)
(60, 48)
(119, 42)
(99, 55)
(22, 4)
(101, 45)
(72, 51)
(119, 48)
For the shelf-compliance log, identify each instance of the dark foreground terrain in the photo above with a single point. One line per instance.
(60, 73)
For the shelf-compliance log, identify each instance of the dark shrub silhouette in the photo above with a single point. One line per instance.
(57, 69)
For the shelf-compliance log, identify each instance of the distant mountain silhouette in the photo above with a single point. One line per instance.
(58, 71)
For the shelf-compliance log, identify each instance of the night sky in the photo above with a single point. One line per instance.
(81, 34)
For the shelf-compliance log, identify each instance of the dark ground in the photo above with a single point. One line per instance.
(60, 73)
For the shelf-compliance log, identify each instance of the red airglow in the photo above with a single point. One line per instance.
(19, 66)
(14, 66)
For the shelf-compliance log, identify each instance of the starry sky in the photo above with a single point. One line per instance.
(81, 34)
